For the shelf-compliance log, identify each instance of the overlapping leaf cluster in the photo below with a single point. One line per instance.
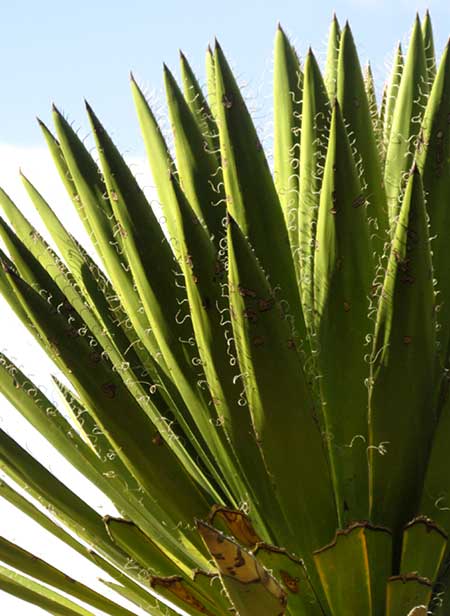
(259, 384)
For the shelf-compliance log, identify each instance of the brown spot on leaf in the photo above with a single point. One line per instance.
(407, 279)
(244, 292)
(176, 586)
(265, 304)
(95, 357)
(158, 439)
(218, 267)
(109, 389)
(236, 523)
(291, 583)
(251, 315)
(359, 201)
(71, 331)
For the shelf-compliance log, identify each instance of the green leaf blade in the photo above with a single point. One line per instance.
(403, 368)
(343, 276)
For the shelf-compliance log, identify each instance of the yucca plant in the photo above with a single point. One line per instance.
(259, 384)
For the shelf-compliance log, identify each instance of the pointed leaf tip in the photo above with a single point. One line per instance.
(89, 108)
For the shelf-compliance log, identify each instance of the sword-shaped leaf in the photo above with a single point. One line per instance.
(141, 548)
(204, 275)
(343, 277)
(35, 274)
(313, 146)
(31, 565)
(94, 284)
(197, 167)
(55, 529)
(402, 382)
(382, 113)
(433, 159)
(28, 590)
(406, 119)
(375, 114)
(45, 521)
(428, 44)
(200, 109)
(159, 157)
(132, 361)
(211, 83)
(279, 399)
(287, 101)
(75, 514)
(103, 392)
(149, 604)
(6, 289)
(62, 168)
(85, 179)
(250, 191)
(122, 576)
(392, 93)
(154, 272)
(32, 403)
(106, 471)
(30, 475)
(355, 110)
(331, 68)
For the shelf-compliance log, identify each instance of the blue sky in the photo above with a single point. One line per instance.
(59, 51)
(63, 52)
